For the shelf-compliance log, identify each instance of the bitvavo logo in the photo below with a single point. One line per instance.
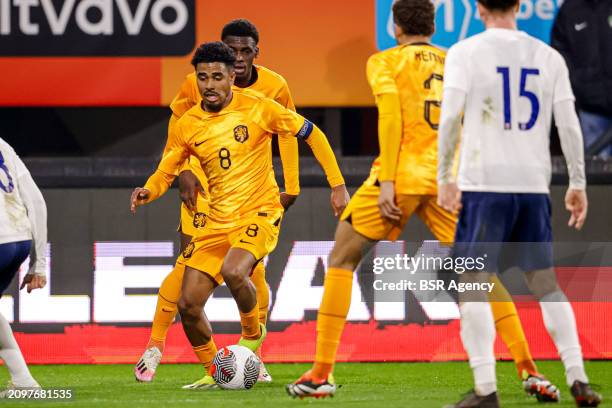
(458, 19)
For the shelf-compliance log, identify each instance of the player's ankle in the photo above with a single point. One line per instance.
(252, 336)
(25, 382)
(156, 343)
(526, 366)
(320, 371)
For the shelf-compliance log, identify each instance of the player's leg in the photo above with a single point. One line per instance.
(197, 288)
(237, 266)
(560, 323)
(360, 227)
(508, 326)
(165, 311)
(485, 219)
(507, 323)
(535, 256)
(478, 337)
(12, 255)
(343, 259)
(167, 300)
(258, 278)
(250, 243)
(263, 300)
(168, 295)
(442, 224)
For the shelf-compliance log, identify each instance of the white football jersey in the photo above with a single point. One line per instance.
(14, 222)
(512, 81)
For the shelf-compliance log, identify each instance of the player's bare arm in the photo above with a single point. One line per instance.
(33, 281)
(386, 202)
(189, 188)
(570, 135)
(140, 196)
(577, 204)
(449, 197)
(287, 200)
(339, 199)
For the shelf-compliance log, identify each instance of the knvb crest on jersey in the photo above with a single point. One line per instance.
(241, 133)
(199, 220)
(96, 27)
(458, 19)
(188, 251)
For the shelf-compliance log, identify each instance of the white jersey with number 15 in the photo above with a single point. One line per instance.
(512, 81)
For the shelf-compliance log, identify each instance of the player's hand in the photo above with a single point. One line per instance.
(339, 199)
(139, 197)
(189, 188)
(577, 204)
(33, 282)
(386, 203)
(287, 200)
(449, 197)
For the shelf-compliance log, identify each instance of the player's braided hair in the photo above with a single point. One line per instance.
(499, 5)
(414, 17)
(214, 52)
(240, 27)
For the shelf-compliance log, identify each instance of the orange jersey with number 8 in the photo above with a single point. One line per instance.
(233, 147)
(414, 72)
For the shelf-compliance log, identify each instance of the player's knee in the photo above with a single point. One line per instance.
(343, 258)
(542, 282)
(234, 275)
(189, 310)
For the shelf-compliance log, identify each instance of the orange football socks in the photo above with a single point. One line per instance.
(250, 324)
(331, 319)
(167, 299)
(206, 353)
(263, 293)
(508, 326)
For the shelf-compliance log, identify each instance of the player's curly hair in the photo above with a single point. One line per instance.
(216, 51)
(499, 5)
(240, 27)
(415, 17)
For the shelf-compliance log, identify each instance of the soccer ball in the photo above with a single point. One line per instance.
(235, 368)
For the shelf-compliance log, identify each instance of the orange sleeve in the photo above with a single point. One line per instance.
(380, 75)
(274, 118)
(177, 151)
(382, 81)
(389, 134)
(324, 154)
(284, 97)
(187, 97)
(158, 184)
(173, 139)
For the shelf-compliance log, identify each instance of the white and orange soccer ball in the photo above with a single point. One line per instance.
(235, 368)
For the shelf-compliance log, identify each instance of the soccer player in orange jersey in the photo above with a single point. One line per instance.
(407, 83)
(241, 36)
(230, 134)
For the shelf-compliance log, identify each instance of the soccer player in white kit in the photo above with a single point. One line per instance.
(506, 85)
(23, 233)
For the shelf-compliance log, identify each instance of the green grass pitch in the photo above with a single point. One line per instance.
(368, 385)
